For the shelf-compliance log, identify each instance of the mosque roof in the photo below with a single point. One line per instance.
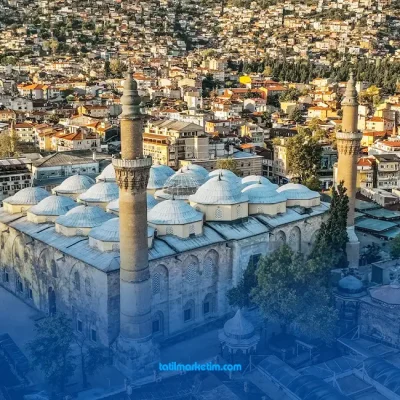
(225, 173)
(180, 186)
(101, 192)
(236, 230)
(109, 231)
(259, 193)
(74, 184)
(238, 327)
(219, 190)
(108, 174)
(252, 179)
(83, 217)
(158, 176)
(53, 206)
(295, 191)
(173, 212)
(28, 196)
(384, 373)
(389, 294)
(350, 284)
(114, 205)
(197, 169)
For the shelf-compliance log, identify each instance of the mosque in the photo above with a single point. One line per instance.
(144, 254)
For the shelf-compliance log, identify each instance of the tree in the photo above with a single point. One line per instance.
(329, 250)
(9, 144)
(239, 296)
(229, 164)
(51, 350)
(395, 247)
(303, 155)
(117, 68)
(313, 183)
(296, 115)
(289, 293)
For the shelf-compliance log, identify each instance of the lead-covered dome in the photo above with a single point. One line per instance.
(173, 212)
(108, 174)
(74, 185)
(100, 194)
(196, 169)
(224, 173)
(50, 208)
(252, 179)
(259, 193)
(350, 285)
(179, 186)
(113, 206)
(158, 176)
(24, 199)
(299, 195)
(219, 190)
(80, 220)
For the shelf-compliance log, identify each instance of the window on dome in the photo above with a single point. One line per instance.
(218, 213)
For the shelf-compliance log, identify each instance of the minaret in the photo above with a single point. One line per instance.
(348, 145)
(135, 349)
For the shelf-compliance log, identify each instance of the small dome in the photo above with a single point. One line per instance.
(173, 212)
(238, 327)
(83, 217)
(101, 192)
(295, 191)
(109, 231)
(198, 169)
(180, 186)
(74, 184)
(158, 176)
(350, 284)
(252, 179)
(225, 173)
(389, 294)
(28, 196)
(108, 174)
(53, 206)
(219, 190)
(262, 194)
(114, 205)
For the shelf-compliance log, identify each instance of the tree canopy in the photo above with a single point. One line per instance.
(229, 164)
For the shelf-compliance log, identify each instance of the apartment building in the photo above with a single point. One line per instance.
(15, 174)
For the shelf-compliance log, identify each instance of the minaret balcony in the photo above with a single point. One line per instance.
(349, 135)
(138, 163)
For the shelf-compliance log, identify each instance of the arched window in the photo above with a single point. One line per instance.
(191, 273)
(188, 311)
(19, 284)
(77, 281)
(6, 275)
(156, 283)
(53, 269)
(158, 323)
(218, 213)
(88, 287)
(208, 305)
(208, 269)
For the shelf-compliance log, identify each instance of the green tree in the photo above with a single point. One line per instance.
(289, 294)
(296, 115)
(313, 183)
(303, 155)
(329, 250)
(395, 247)
(229, 164)
(51, 350)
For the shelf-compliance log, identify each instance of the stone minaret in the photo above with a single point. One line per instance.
(134, 346)
(348, 145)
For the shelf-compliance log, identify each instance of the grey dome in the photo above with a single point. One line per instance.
(252, 179)
(262, 194)
(74, 184)
(53, 206)
(101, 192)
(225, 173)
(180, 186)
(28, 196)
(83, 217)
(109, 231)
(196, 170)
(219, 190)
(173, 212)
(350, 284)
(108, 174)
(114, 205)
(158, 176)
(238, 327)
(295, 191)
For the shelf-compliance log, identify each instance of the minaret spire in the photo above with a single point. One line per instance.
(348, 145)
(135, 349)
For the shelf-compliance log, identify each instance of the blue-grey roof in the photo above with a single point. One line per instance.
(305, 387)
(114, 205)
(384, 373)
(53, 206)
(28, 196)
(259, 193)
(101, 192)
(238, 229)
(108, 174)
(158, 176)
(362, 205)
(197, 168)
(74, 184)
(252, 179)
(295, 191)
(225, 173)
(374, 225)
(383, 213)
(84, 217)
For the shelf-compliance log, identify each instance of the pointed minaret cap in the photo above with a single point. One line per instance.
(130, 99)
(350, 95)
